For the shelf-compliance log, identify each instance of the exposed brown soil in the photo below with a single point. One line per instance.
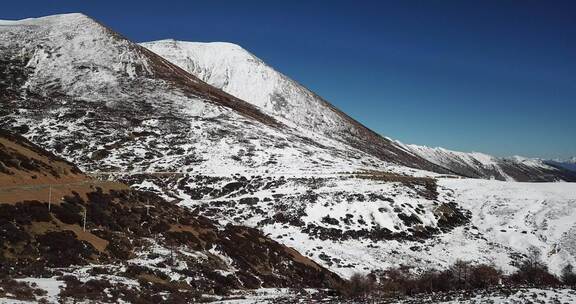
(28, 173)
(33, 239)
(54, 192)
(22, 163)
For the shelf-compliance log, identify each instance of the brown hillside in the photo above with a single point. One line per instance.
(123, 224)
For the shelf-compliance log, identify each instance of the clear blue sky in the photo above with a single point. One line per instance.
(491, 76)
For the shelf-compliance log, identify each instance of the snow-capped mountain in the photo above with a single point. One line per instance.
(480, 165)
(73, 85)
(107, 104)
(124, 109)
(238, 72)
(568, 164)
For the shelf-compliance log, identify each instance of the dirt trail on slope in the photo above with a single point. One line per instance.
(54, 192)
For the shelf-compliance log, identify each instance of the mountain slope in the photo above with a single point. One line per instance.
(240, 73)
(129, 238)
(21, 162)
(51, 45)
(569, 164)
(124, 110)
(518, 216)
(159, 133)
(71, 84)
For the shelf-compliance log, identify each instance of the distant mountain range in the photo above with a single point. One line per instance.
(569, 164)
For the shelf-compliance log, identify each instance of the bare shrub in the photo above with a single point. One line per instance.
(484, 276)
(462, 275)
(568, 276)
(17, 290)
(358, 287)
(532, 271)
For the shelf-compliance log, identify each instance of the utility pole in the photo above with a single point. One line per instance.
(84, 219)
(49, 198)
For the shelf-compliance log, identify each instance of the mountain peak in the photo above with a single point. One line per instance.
(212, 45)
(67, 18)
(215, 53)
(73, 52)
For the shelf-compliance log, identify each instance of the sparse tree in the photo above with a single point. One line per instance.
(533, 259)
(360, 286)
(461, 273)
(568, 275)
(483, 276)
(533, 271)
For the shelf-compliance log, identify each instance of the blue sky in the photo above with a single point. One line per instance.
(492, 76)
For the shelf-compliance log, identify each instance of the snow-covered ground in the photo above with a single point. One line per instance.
(523, 215)
(507, 218)
(51, 286)
(314, 214)
(496, 296)
(522, 296)
(289, 296)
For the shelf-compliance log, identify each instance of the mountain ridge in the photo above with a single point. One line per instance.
(232, 68)
(481, 165)
(279, 95)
